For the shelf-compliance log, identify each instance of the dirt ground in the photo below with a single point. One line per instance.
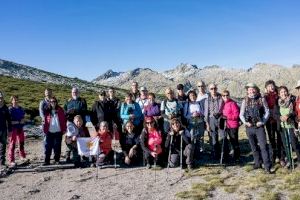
(139, 183)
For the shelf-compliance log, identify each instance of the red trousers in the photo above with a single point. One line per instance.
(16, 135)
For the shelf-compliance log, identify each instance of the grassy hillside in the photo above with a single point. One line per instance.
(30, 92)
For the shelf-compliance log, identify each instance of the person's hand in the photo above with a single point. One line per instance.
(196, 114)
(171, 133)
(153, 154)
(181, 132)
(248, 124)
(259, 124)
(223, 117)
(284, 118)
(131, 152)
(74, 138)
(127, 160)
(208, 128)
(131, 116)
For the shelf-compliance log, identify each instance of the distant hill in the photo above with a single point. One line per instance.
(232, 79)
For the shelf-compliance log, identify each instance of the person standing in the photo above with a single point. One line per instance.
(254, 114)
(143, 100)
(287, 117)
(134, 90)
(5, 128)
(115, 107)
(55, 127)
(202, 94)
(212, 112)
(17, 120)
(101, 112)
(75, 106)
(230, 113)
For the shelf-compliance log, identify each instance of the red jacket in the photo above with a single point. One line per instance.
(61, 118)
(231, 111)
(106, 140)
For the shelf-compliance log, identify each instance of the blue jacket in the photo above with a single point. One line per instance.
(128, 109)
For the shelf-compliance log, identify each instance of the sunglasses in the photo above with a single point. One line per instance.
(200, 86)
(225, 95)
(213, 88)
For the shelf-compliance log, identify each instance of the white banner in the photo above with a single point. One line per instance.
(88, 146)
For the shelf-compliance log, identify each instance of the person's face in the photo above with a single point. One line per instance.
(180, 92)
(103, 127)
(134, 86)
(128, 99)
(53, 103)
(176, 126)
(111, 93)
(1, 100)
(251, 91)
(14, 101)
(201, 88)
(144, 93)
(213, 90)
(169, 94)
(75, 94)
(48, 93)
(283, 94)
(102, 97)
(270, 88)
(225, 97)
(150, 124)
(192, 97)
(78, 122)
(129, 127)
(151, 99)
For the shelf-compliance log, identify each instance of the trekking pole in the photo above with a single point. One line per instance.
(181, 150)
(155, 159)
(290, 148)
(169, 157)
(287, 143)
(223, 143)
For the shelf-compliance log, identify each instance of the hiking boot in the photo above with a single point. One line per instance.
(256, 166)
(268, 171)
(68, 160)
(45, 164)
(148, 166)
(56, 163)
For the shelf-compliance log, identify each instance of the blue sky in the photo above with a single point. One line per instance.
(85, 38)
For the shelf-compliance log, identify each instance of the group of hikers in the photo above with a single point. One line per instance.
(167, 133)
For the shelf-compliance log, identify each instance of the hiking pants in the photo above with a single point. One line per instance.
(275, 140)
(214, 137)
(17, 135)
(258, 135)
(3, 140)
(72, 148)
(197, 137)
(234, 141)
(294, 142)
(187, 155)
(53, 141)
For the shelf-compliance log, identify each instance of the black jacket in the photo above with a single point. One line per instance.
(175, 146)
(5, 119)
(101, 112)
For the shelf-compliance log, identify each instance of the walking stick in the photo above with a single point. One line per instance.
(155, 159)
(223, 143)
(181, 150)
(169, 157)
(288, 145)
(291, 149)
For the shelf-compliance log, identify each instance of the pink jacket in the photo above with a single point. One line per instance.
(231, 111)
